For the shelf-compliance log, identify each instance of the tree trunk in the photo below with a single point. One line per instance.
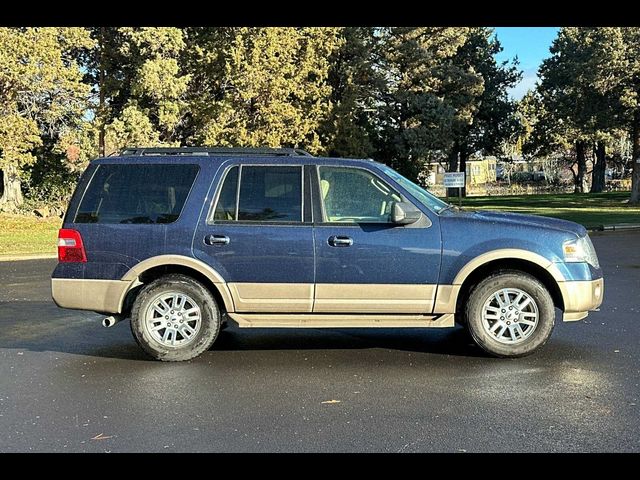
(581, 158)
(101, 97)
(464, 155)
(635, 160)
(12, 193)
(597, 175)
(453, 158)
(453, 167)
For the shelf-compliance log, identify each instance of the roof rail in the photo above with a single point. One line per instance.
(218, 151)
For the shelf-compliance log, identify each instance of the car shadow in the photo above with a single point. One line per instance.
(42, 326)
(450, 341)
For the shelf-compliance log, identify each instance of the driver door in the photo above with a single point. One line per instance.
(364, 262)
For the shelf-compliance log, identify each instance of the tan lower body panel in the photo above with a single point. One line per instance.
(316, 320)
(446, 298)
(272, 297)
(97, 295)
(579, 297)
(373, 298)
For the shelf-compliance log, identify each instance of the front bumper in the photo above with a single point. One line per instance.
(580, 297)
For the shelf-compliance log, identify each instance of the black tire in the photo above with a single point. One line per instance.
(209, 311)
(509, 279)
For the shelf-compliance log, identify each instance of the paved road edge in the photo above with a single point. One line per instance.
(34, 256)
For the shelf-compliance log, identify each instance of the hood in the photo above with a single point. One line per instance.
(518, 219)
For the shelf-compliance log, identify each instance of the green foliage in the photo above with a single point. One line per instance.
(77, 146)
(40, 87)
(494, 116)
(426, 96)
(577, 98)
(157, 86)
(587, 98)
(269, 88)
(626, 72)
(401, 95)
(41, 92)
(132, 128)
(140, 90)
(48, 182)
(355, 86)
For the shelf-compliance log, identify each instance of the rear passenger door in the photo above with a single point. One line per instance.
(259, 236)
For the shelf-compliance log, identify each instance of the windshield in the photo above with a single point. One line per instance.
(427, 199)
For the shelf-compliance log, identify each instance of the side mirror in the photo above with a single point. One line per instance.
(404, 213)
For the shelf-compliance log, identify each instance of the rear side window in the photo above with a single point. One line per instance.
(267, 194)
(136, 194)
(226, 207)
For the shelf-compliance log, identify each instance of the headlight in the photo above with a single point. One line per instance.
(580, 250)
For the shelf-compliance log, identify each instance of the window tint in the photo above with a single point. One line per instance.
(136, 193)
(270, 194)
(226, 206)
(353, 195)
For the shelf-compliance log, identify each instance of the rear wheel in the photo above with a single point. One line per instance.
(510, 314)
(175, 318)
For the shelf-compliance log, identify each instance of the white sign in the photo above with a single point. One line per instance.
(454, 180)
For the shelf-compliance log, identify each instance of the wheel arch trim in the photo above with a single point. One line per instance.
(506, 254)
(133, 275)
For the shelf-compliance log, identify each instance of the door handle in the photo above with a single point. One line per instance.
(216, 240)
(340, 241)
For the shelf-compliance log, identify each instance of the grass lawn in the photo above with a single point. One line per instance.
(589, 209)
(20, 234)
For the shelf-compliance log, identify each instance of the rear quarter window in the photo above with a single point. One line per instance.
(136, 193)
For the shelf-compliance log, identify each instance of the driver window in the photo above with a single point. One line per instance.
(354, 195)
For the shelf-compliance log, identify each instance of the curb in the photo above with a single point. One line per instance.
(27, 256)
(612, 228)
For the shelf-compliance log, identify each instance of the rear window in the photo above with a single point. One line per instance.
(136, 194)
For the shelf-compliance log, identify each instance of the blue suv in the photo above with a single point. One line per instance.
(181, 240)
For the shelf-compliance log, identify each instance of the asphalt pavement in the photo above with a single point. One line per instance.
(68, 384)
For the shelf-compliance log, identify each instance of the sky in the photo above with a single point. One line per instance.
(531, 46)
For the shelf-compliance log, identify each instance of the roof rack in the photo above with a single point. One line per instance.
(218, 151)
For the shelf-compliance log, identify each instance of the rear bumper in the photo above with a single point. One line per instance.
(105, 296)
(581, 296)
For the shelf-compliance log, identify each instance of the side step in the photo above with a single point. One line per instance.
(327, 320)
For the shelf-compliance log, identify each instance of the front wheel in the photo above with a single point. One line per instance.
(175, 318)
(510, 314)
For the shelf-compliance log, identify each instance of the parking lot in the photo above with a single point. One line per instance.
(68, 384)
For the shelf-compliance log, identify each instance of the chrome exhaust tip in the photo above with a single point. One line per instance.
(110, 321)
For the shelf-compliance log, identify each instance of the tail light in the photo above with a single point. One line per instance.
(70, 246)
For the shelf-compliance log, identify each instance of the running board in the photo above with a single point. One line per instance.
(327, 320)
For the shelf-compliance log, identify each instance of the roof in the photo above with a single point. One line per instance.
(216, 152)
(205, 154)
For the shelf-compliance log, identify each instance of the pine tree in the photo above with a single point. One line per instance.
(355, 86)
(581, 102)
(41, 93)
(494, 115)
(268, 86)
(426, 95)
